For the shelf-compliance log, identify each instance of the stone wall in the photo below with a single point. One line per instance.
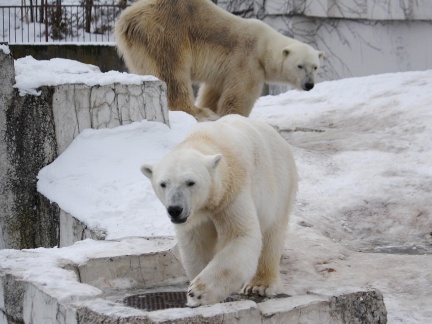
(104, 56)
(34, 130)
(360, 37)
(7, 79)
(30, 142)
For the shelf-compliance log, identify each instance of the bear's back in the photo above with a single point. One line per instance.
(252, 143)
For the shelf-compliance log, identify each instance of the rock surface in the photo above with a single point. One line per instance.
(36, 128)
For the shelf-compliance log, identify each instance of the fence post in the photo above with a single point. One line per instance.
(46, 21)
(88, 15)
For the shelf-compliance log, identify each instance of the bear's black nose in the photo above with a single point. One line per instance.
(308, 86)
(175, 211)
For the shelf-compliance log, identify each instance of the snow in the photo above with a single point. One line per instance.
(46, 266)
(122, 196)
(374, 154)
(363, 147)
(5, 49)
(32, 74)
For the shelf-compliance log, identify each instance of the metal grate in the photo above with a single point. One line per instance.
(157, 300)
(177, 299)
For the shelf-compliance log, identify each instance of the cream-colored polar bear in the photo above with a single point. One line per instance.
(228, 188)
(186, 41)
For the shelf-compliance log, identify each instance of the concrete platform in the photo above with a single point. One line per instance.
(89, 281)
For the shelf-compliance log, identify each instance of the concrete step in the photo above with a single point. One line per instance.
(90, 282)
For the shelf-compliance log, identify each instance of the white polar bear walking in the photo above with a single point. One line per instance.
(194, 41)
(229, 188)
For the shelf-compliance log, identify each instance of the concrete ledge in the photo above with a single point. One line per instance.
(87, 282)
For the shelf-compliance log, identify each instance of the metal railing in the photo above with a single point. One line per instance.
(53, 23)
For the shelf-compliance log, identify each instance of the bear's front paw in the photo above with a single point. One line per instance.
(261, 289)
(200, 293)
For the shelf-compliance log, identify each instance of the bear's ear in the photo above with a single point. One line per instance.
(213, 161)
(147, 170)
(321, 54)
(286, 51)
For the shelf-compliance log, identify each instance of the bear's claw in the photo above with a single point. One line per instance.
(202, 293)
(259, 289)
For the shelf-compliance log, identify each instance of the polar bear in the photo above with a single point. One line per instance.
(229, 188)
(194, 41)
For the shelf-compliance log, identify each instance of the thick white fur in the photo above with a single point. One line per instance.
(235, 180)
(194, 41)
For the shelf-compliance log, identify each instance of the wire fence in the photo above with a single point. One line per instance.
(53, 23)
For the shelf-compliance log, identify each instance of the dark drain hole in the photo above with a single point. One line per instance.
(176, 299)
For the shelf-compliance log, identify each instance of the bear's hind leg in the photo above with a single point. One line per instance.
(208, 97)
(266, 281)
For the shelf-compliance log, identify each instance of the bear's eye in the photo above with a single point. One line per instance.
(163, 184)
(300, 66)
(190, 183)
(315, 67)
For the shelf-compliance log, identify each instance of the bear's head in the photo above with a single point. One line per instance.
(300, 64)
(183, 182)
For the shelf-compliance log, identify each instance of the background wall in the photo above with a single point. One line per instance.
(104, 56)
(360, 37)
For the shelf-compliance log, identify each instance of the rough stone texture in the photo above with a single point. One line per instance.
(72, 230)
(26, 144)
(78, 106)
(30, 145)
(359, 308)
(144, 271)
(54, 311)
(34, 130)
(347, 306)
(11, 298)
(7, 79)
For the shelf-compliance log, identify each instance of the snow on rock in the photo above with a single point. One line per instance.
(32, 74)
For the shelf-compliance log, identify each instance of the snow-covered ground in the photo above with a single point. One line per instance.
(363, 147)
